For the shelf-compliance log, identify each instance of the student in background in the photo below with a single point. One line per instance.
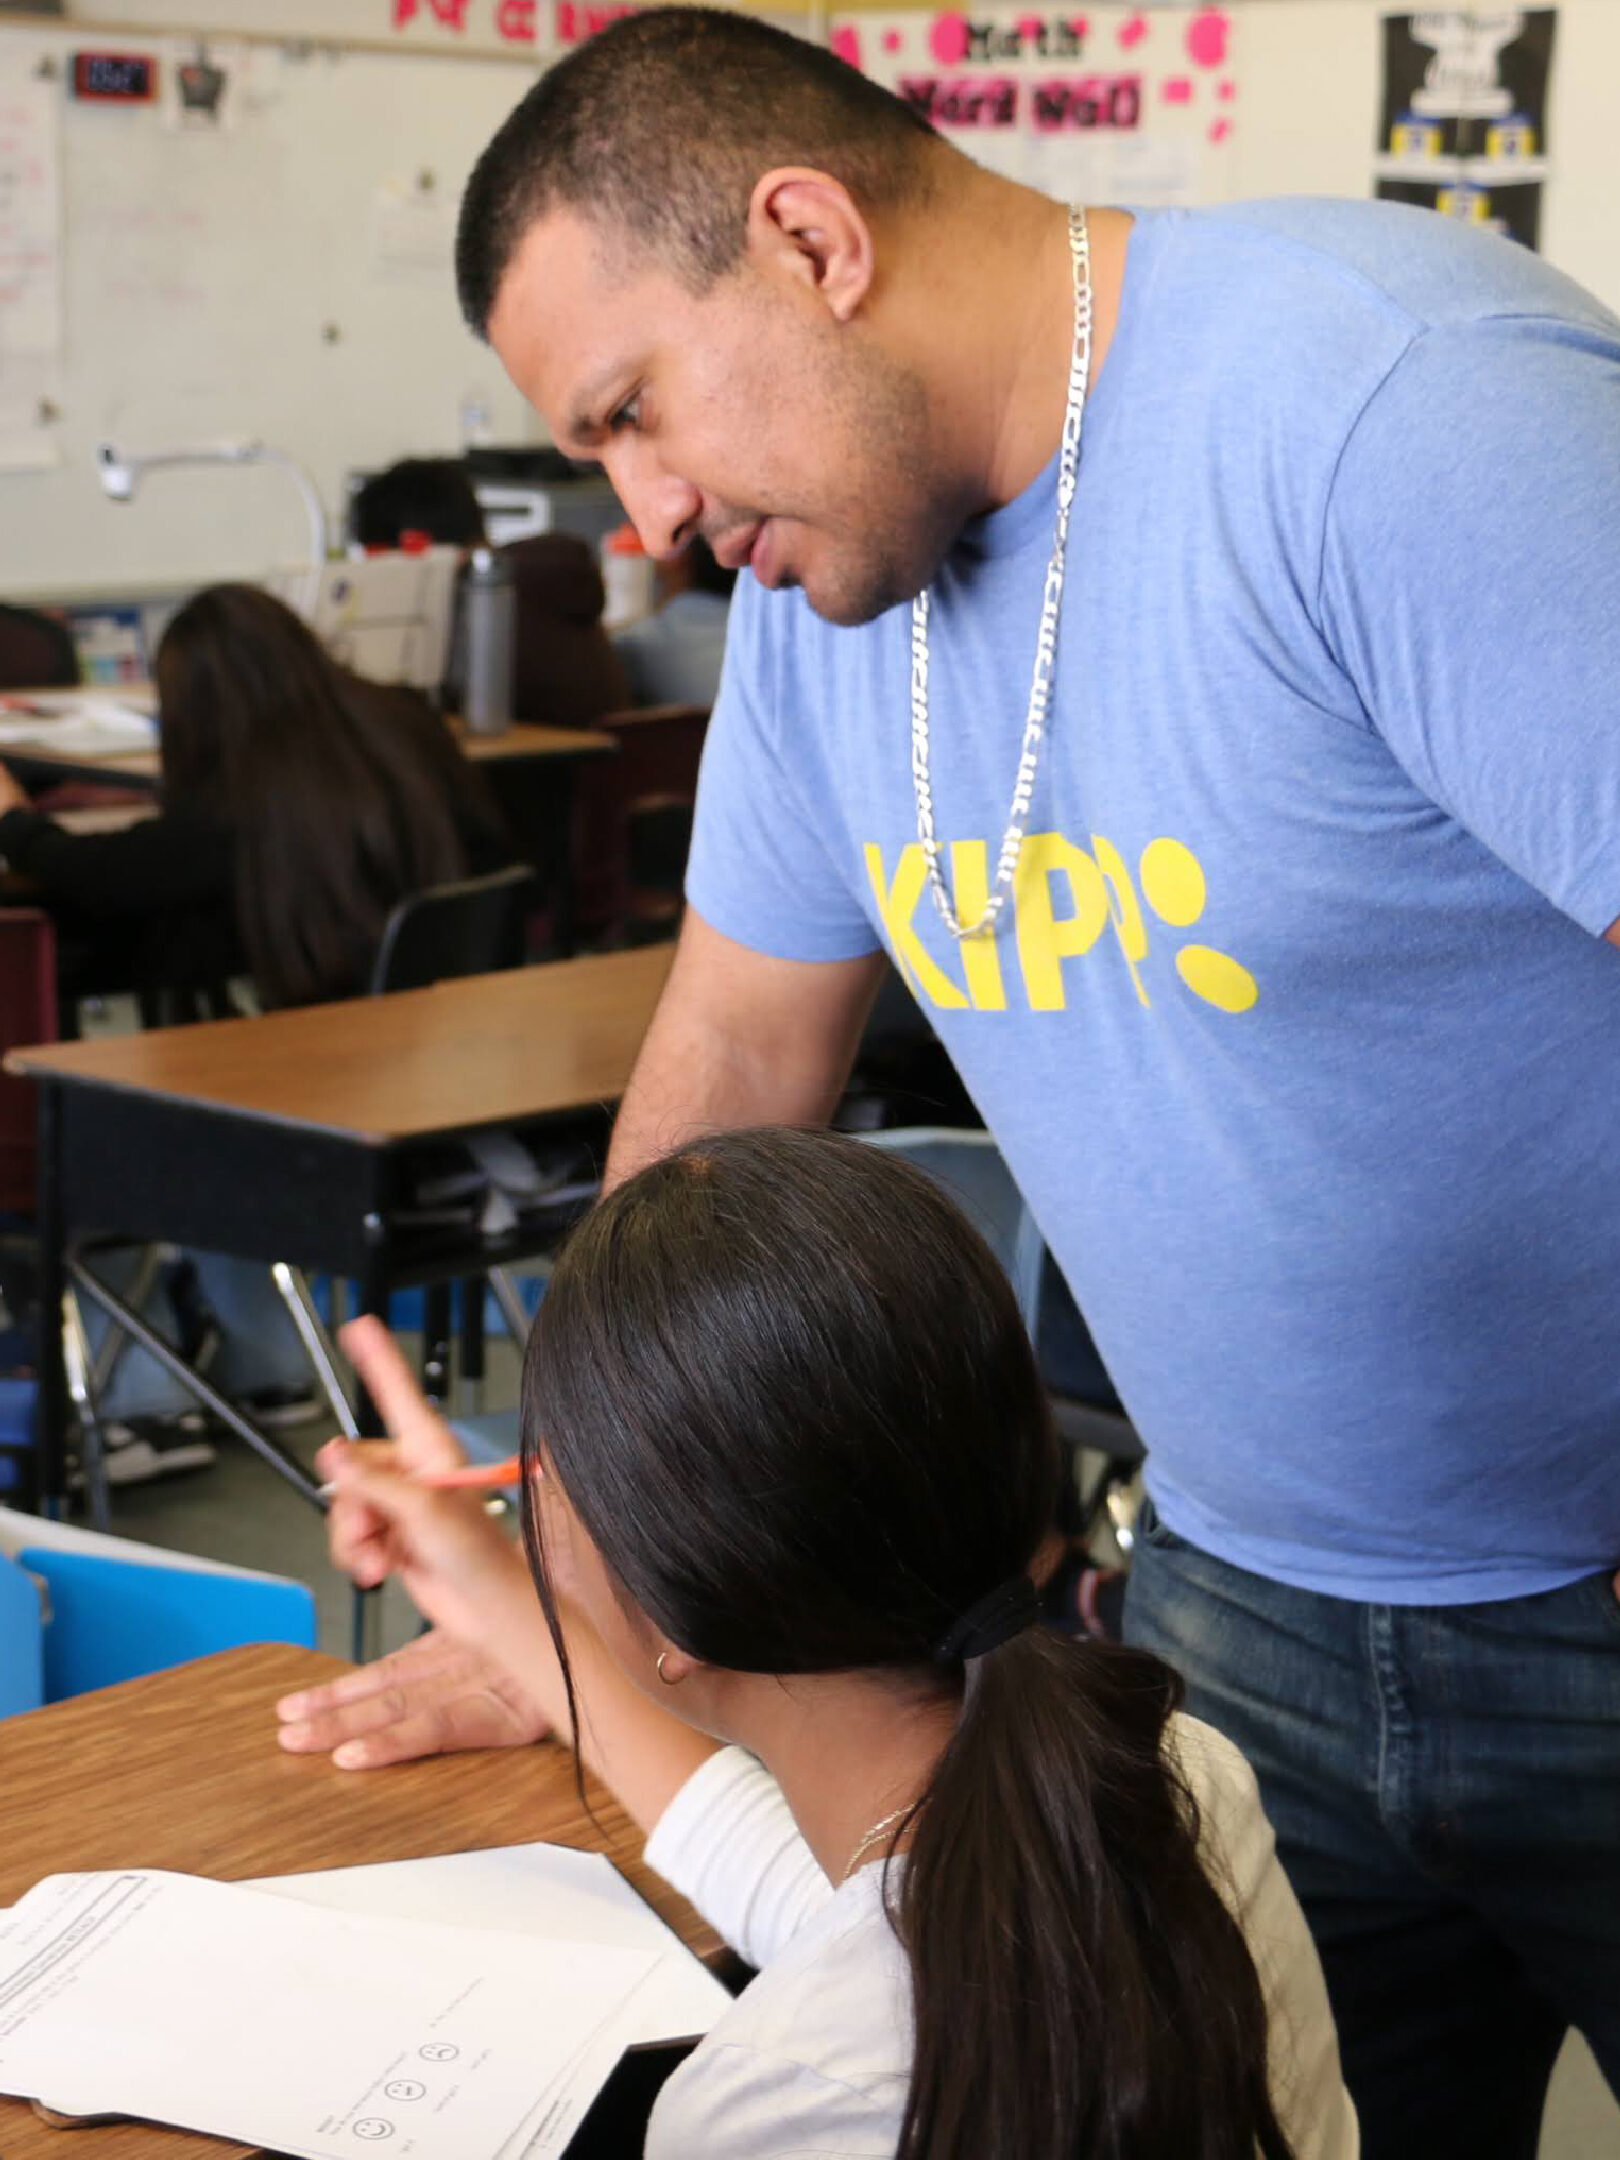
(565, 672)
(1006, 1900)
(674, 655)
(432, 498)
(299, 804)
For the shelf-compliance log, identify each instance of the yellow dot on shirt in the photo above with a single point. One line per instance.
(1173, 881)
(1217, 978)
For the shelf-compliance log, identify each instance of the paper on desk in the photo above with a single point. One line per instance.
(70, 723)
(217, 2008)
(554, 1891)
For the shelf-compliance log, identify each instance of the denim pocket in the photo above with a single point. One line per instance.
(1155, 1533)
(1600, 1587)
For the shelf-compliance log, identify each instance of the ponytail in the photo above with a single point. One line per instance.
(1054, 1906)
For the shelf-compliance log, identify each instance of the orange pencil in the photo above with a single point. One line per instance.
(486, 1476)
(474, 1474)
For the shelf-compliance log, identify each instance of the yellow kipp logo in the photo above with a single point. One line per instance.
(1064, 898)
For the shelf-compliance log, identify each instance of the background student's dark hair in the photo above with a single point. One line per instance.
(342, 795)
(659, 127)
(786, 1388)
(434, 496)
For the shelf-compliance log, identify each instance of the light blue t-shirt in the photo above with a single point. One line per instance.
(1301, 1037)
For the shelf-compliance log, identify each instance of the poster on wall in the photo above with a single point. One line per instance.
(1463, 121)
(30, 260)
(1108, 104)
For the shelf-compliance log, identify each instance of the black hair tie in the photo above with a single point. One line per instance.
(997, 1617)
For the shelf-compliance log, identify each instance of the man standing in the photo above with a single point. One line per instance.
(1190, 645)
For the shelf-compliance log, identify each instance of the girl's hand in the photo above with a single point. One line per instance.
(458, 1567)
(12, 794)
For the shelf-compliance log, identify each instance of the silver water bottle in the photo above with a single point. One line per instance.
(489, 605)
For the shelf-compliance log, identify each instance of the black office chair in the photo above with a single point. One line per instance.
(475, 927)
(1101, 1445)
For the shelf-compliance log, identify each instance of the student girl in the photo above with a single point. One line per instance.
(788, 1468)
(299, 804)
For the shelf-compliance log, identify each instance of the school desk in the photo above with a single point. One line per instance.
(534, 771)
(291, 1136)
(181, 1770)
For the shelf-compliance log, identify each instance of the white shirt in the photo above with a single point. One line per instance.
(814, 2059)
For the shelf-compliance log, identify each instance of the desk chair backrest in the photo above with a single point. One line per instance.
(635, 821)
(36, 651)
(27, 1015)
(475, 927)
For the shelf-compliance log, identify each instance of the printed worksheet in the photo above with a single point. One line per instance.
(546, 1890)
(314, 2032)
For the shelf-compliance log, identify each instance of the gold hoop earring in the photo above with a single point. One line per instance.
(664, 1676)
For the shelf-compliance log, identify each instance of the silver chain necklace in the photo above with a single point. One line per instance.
(1040, 689)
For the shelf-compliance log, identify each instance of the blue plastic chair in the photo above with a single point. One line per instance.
(22, 1650)
(112, 1610)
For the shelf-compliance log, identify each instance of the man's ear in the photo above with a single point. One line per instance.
(804, 225)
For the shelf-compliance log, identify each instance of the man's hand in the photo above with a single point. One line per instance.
(12, 795)
(431, 1698)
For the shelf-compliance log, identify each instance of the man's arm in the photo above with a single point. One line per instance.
(741, 1038)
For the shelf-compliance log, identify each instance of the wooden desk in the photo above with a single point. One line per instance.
(522, 742)
(539, 773)
(290, 1136)
(181, 1770)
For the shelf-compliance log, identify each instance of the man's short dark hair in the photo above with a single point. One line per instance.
(659, 127)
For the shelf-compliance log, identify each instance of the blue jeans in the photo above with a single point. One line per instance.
(1445, 1786)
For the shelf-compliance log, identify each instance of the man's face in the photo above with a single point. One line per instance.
(746, 413)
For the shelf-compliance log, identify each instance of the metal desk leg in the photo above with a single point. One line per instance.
(294, 1292)
(269, 1451)
(81, 1386)
(470, 1388)
(52, 1405)
(437, 1305)
(371, 1296)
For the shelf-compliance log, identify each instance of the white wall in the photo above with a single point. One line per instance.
(229, 283)
(202, 272)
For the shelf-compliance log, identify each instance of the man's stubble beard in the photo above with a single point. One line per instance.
(906, 513)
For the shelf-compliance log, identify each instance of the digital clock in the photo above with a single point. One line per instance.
(115, 78)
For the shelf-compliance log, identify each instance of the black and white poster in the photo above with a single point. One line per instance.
(1463, 127)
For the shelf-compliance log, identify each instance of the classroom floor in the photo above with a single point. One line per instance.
(239, 1512)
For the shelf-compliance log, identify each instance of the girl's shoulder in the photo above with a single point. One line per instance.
(815, 2055)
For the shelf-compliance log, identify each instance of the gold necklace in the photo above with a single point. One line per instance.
(871, 1839)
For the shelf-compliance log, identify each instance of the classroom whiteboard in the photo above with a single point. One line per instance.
(284, 274)
(287, 274)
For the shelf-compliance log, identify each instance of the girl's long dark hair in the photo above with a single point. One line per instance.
(786, 1388)
(343, 795)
